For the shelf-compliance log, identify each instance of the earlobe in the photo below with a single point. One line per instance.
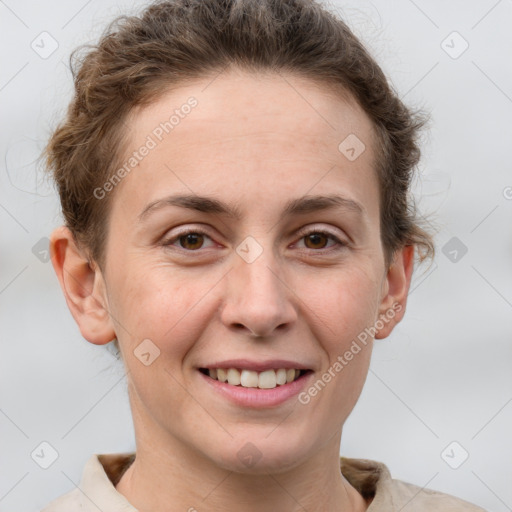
(83, 287)
(397, 283)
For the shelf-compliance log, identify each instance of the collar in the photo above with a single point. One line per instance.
(102, 472)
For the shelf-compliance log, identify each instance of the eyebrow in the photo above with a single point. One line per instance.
(300, 206)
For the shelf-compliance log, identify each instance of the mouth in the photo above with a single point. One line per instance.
(244, 378)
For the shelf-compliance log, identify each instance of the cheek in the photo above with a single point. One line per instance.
(341, 308)
(160, 303)
(344, 304)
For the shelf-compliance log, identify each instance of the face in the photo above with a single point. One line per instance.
(271, 260)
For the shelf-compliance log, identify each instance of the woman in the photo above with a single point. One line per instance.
(234, 178)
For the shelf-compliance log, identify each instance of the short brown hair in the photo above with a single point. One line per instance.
(140, 57)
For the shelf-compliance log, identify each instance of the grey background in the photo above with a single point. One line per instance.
(443, 376)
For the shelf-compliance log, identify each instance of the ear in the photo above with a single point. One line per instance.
(83, 286)
(395, 289)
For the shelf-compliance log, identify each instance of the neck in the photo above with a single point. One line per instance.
(170, 475)
(173, 480)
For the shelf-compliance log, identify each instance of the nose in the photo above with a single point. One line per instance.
(258, 300)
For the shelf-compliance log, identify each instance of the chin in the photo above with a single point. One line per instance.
(261, 455)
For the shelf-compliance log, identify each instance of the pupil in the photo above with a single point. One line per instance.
(191, 238)
(314, 238)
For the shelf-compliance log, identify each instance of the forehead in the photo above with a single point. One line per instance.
(271, 133)
(238, 102)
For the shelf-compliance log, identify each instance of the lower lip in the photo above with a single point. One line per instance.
(256, 397)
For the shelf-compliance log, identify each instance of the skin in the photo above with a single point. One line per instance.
(255, 141)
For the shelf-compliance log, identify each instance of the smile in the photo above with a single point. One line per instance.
(267, 379)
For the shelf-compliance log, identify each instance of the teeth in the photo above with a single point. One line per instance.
(248, 378)
(281, 376)
(233, 377)
(267, 379)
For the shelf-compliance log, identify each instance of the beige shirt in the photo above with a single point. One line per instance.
(102, 472)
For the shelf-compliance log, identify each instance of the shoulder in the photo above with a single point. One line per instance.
(373, 480)
(96, 490)
(409, 497)
(67, 502)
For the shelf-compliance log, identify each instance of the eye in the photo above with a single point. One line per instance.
(316, 239)
(193, 239)
(190, 240)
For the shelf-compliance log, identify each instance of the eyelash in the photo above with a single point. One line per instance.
(304, 234)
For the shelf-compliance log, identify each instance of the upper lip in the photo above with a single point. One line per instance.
(257, 366)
